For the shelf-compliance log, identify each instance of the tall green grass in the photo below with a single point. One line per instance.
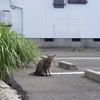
(15, 51)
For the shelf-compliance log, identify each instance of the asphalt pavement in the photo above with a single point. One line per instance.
(63, 86)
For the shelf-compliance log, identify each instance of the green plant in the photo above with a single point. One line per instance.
(77, 49)
(97, 49)
(15, 51)
(80, 49)
(73, 49)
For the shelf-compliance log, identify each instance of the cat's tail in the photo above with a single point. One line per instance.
(33, 73)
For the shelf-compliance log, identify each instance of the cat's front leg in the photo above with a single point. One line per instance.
(49, 71)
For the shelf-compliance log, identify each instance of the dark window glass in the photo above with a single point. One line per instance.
(96, 39)
(49, 39)
(77, 1)
(58, 3)
(76, 39)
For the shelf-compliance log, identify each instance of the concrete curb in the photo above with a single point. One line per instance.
(7, 93)
(94, 75)
(67, 65)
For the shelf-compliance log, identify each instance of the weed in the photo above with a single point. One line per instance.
(15, 52)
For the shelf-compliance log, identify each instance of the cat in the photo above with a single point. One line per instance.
(44, 66)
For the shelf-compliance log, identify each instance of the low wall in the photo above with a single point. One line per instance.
(64, 42)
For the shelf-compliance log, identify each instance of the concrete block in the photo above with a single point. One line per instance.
(7, 93)
(44, 57)
(67, 65)
(94, 75)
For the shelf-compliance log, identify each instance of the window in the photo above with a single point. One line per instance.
(58, 3)
(77, 1)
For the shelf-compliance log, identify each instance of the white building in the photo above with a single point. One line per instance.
(61, 23)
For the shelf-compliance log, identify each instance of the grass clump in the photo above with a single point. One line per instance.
(97, 49)
(15, 52)
(77, 49)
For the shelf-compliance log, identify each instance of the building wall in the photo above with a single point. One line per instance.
(4, 4)
(39, 20)
(42, 20)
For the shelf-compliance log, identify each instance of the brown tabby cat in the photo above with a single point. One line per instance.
(44, 66)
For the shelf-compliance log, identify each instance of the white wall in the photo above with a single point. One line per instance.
(17, 20)
(4, 4)
(34, 14)
(41, 20)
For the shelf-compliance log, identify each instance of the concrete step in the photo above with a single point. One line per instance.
(67, 65)
(94, 75)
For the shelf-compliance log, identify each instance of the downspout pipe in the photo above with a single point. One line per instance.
(13, 7)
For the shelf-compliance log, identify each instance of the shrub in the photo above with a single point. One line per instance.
(15, 51)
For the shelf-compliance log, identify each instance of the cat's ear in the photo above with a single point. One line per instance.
(54, 55)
